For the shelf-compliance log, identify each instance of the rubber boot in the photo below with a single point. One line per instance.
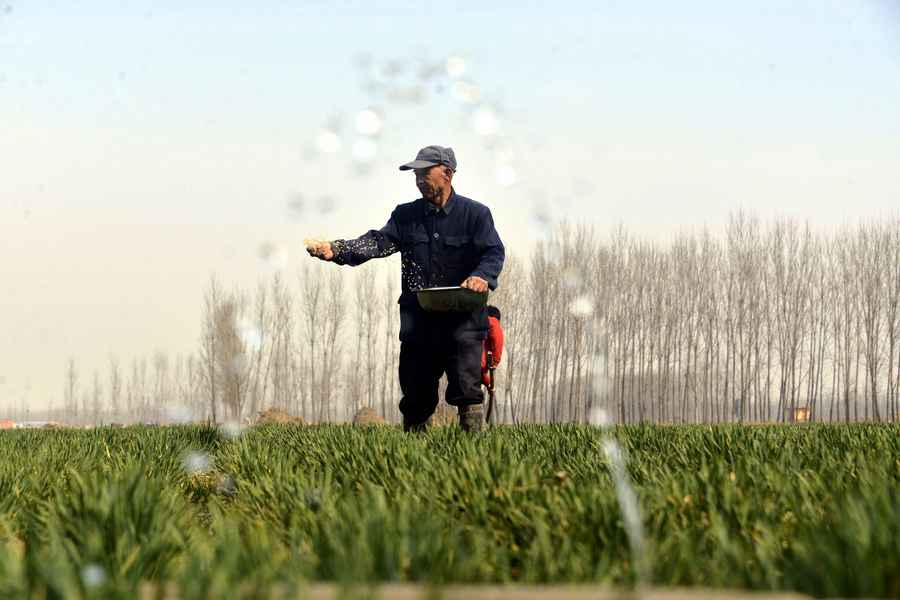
(471, 418)
(414, 427)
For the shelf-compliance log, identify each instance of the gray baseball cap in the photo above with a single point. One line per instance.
(430, 156)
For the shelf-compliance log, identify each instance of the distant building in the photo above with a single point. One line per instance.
(7, 424)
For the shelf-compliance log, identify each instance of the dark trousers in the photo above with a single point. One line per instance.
(441, 345)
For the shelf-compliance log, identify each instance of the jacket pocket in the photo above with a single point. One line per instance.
(458, 252)
(458, 241)
(410, 239)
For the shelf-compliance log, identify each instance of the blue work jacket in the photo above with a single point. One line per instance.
(438, 246)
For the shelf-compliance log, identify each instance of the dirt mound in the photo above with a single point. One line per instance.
(444, 415)
(276, 415)
(367, 416)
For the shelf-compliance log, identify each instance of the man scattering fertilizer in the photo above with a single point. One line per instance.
(444, 239)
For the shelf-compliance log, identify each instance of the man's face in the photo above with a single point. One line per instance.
(431, 181)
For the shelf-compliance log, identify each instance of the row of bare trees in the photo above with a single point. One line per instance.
(148, 390)
(314, 349)
(767, 322)
(770, 322)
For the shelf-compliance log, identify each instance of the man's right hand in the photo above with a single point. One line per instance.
(319, 249)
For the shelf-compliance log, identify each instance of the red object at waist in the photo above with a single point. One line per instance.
(493, 343)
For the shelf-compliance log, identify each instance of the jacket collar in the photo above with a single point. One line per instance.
(430, 208)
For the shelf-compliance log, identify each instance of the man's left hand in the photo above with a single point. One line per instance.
(476, 284)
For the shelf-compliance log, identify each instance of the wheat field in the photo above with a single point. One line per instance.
(225, 513)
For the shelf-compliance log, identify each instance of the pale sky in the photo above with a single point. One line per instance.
(145, 145)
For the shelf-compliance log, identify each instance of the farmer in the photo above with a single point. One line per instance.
(444, 239)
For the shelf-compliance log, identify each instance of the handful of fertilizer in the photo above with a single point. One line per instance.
(317, 247)
(312, 243)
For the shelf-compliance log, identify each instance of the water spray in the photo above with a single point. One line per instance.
(617, 458)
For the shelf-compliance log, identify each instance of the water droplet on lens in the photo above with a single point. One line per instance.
(231, 430)
(393, 68)
(314, 498)
(456, 66)
(428, 71)
(406, 95)
(178, 413)
(237, 365)
(582, 306)
(326, 205)
(309, 152)
(572, 278)
(485, 121)
(227, 486)
(542, 221)
(296, 205)
(506, 175)
(369, 122)
(196, 462)
(273, 256)
(504, 154)
(251, 334)
(599, 417)
(328, 142)
(334, 123)
(466, 92)
(364, 150)
(266, 249)
(93, 575)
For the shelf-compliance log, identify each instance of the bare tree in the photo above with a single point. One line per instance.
(332, 356)
(209, 348)
(260, 348)
(892, 314)
(115, 386)
(871, 248)
(96, 398)
(312, 300)
(283, 383)
(509, 298)
(70, 391)
(160, 397)
(233, 368)
(389, 344)
(846, 325)
(369, 332)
